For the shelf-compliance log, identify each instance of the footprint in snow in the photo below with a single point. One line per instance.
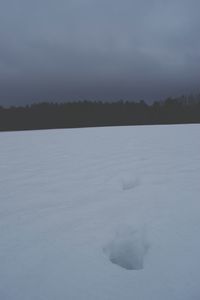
(128, 248)
(130, 183)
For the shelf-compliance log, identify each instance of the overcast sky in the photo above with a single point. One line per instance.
(59, 50)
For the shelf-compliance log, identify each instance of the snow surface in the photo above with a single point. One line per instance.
(100, 213)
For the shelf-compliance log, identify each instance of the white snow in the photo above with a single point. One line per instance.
(100, 213)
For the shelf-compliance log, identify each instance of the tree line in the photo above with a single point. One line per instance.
(180, 110)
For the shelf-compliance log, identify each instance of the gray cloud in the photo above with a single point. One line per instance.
(77, 49)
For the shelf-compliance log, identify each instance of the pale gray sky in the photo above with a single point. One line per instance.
(58, 50)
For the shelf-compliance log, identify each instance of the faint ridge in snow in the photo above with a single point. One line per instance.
(128, 248)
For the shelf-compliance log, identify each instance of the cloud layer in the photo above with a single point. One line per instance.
(57, 50)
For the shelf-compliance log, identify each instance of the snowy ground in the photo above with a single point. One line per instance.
(100, 213)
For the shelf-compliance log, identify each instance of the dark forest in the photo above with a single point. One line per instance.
(45, 115)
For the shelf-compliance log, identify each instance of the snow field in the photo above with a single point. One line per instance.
(100, 213)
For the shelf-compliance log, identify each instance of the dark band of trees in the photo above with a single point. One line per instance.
(92, 114)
